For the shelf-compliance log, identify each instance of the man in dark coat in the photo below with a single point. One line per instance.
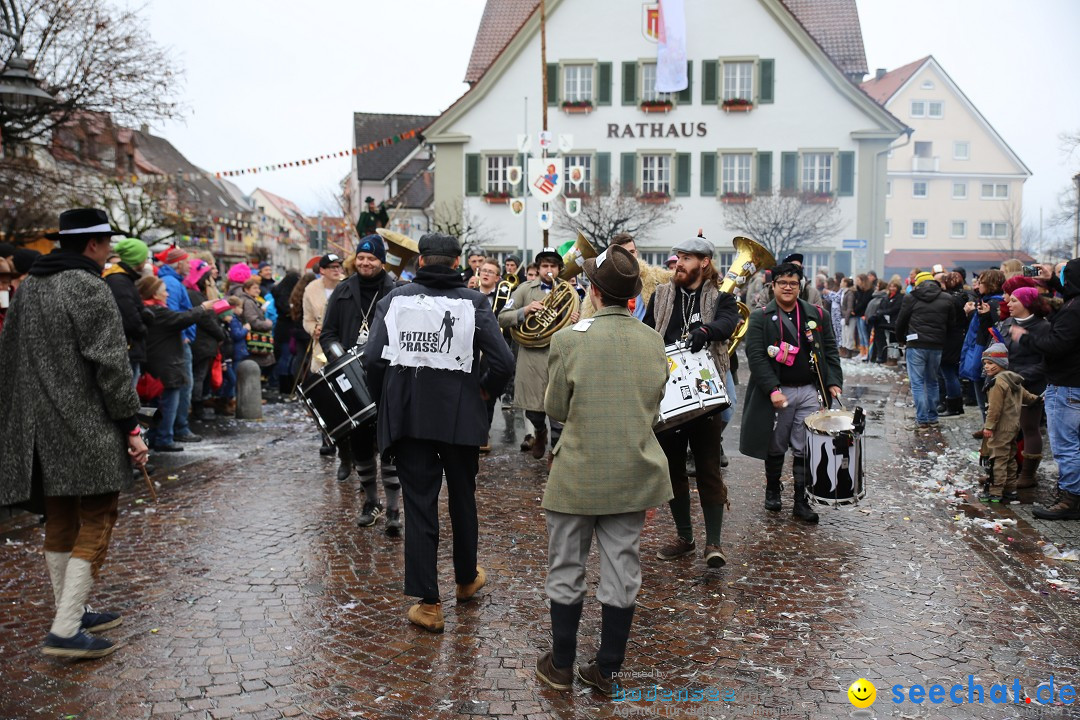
(121, 279)
(927, 317)
(67, 420)
(954, 342)
(780, 394)
(350, 314)
(432, 413)
(372, 218)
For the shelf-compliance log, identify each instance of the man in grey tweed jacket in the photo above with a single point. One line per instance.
(67, 420)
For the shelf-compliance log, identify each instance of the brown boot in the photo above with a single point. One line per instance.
(539, 444)
(1067, 507)
(468, 590)
(429, 617)
(1027, 477)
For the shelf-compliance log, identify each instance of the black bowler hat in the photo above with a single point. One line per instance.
(82, 223)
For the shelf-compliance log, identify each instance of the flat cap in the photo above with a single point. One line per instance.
(439, 244)
(695, 246)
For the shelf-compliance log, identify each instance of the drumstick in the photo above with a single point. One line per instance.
(149, 484)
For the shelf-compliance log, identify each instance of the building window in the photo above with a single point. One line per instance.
(918, 108)
(927, 85)
(817, 172)
(496, 173)
(738, 81)
(961, 151)
(585, 162)
(959, 191)
(918, 188)
(656, 259)
(994, 191)
(993, 229)
(578, 83)
(888, 228)
(812, 264)
(935, 109)
(918, 228)
(924, 149)
(648, 84)
(735, 174)
(656, 174)
(959, 229)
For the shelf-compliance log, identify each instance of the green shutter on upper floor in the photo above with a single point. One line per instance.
(603, 83)
(768, 73)
(708, 173)
(709, 85)
(789, 172)
(628, 173)
(764, 173)
(685, 97)
(629, 83)
(847, 174)
(602, 176)
(552, 83)
(682, 174)
(472, 174)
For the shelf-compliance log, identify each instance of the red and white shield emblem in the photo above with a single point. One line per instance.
(650, 21)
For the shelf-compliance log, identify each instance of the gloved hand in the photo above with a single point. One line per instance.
(698, 339)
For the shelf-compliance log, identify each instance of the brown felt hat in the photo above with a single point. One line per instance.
(615, 273)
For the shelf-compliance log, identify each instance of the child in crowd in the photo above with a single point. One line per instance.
(233, 350)
(1005, 395)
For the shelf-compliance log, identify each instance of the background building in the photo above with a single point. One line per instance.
(284, 233)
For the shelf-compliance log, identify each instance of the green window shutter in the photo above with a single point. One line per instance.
(603, 83)
(685, 97)
(629, 83)
(847, 174)
(628, 173)
(682, 174)
(789, 171)
(764, 173)
(553, 83)
(708, 173)
(709, 85)
(602, 176)
(472, 174)
(765, 89)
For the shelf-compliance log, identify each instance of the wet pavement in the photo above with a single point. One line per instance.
(248, 592)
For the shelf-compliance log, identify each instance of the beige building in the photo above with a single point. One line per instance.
(954, 193)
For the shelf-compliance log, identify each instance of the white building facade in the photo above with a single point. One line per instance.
(767, 110)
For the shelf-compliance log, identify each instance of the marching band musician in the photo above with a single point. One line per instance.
(430, 391)
(531, 376)
(316, 295)
(487, 284)
(650, 278)
(350, 313)
(793, 357)
(690, 307)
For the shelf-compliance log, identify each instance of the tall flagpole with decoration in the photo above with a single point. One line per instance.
(544, 84)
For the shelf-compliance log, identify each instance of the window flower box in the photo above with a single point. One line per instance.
(656, 106)
(737, 105)
(735, 198)
(577, 107)
(654, 198)
(817, 198)
(497, 198)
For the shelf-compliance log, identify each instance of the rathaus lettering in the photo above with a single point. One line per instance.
(656, 130)
(419, 341)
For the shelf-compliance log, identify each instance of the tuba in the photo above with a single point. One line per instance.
(559, 305)
(750, 257)
(574, 258)
(400, 250)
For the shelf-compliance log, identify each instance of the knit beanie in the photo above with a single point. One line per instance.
(997, 354)
(239, 273)
(1018, 281)
(1026, 295)
(922, 277)
(199, 268)
(373, 244)
(132, 251)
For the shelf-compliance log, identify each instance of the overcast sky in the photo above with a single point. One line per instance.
(277, 80)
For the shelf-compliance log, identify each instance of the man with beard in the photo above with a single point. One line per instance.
(691, 308)
(350, 313)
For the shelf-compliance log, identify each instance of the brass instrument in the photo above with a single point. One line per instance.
(400, 250)
(559, 305)
(575, 257)
(750, 257)
(503, 291)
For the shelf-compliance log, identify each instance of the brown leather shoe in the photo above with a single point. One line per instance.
(590, 675)
(526, 443)
(466, 591)
(553, 677)
(539, 444)
(427, 616)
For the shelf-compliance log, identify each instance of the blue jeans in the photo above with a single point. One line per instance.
(922, 367)
(1063, 426)
(183, 407)
(167, 406)
(862, 329)
(228, 380)
(951, 375)
(729, 385)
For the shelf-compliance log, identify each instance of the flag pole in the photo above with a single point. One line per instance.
(543, 75)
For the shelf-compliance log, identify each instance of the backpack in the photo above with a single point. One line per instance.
(971, 353)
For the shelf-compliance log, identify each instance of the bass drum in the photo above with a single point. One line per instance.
(337, 396)
(834, 457)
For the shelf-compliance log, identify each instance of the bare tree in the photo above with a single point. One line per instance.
(1019, 235)
(29, 200)
(456, 219)
(90, 56)
(133, 208)
(784, 222)
(607, 214)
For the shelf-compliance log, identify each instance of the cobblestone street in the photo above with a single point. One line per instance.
(249, 592)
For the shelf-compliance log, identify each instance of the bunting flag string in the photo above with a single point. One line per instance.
(365, 148)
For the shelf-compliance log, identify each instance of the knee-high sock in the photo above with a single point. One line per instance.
(391, 486)
(714, 523)
(77, 583)
(57, 563)
(614, 634)
(564, 627)
(366, 470)
(680, 513)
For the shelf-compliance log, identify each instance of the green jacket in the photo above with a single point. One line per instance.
(607, 460)
(758, 413)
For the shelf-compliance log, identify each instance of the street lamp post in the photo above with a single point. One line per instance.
(20, 92)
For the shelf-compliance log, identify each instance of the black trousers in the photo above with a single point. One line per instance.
(199, 372)
(420, 465)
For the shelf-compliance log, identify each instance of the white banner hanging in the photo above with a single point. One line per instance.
(573, 207)
(671, 48)
(545, 178)
(430, 332)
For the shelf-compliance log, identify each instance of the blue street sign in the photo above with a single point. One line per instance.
(854, 244)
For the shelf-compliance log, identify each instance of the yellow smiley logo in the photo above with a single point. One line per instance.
(862, 693)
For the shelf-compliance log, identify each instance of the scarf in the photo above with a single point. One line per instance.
(439, 277)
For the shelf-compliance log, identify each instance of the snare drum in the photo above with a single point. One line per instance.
(834, 458)
(694, 388)
(337, 397)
